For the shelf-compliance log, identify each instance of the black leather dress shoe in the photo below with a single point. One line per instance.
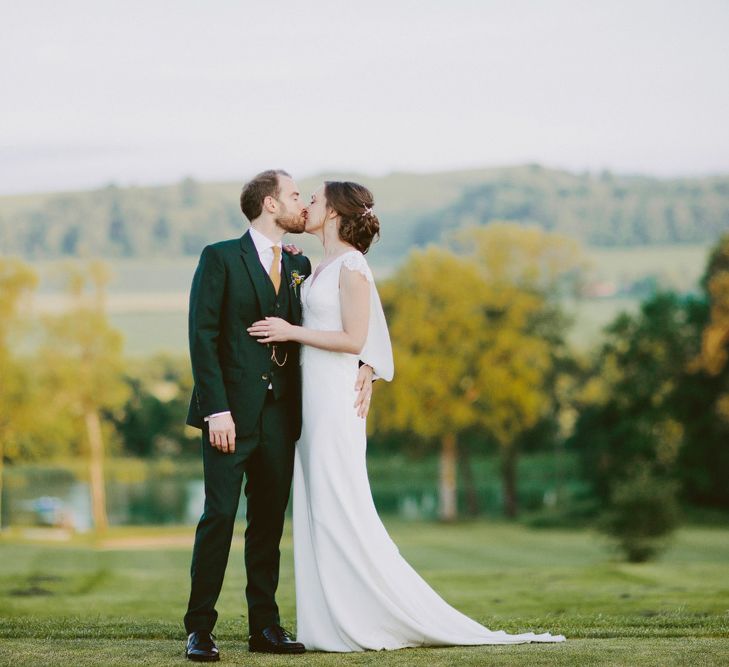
(274, 639)
(201, 647)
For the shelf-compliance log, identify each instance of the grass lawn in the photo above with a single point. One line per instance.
(120, 601)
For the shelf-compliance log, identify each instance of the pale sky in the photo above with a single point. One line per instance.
(146, 92)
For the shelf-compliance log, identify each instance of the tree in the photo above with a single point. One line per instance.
(511, 396)
(118, 231)
(17, 281)
(474, 340)
(659, 398)
(703, 398)
(643, 513)
(161, 232)
(527, 257)
(152, 421)
(83, 372)
(433, 313)
(189, 192)
(635, 420)
(526, 271)
(70, 241)
(715, 336)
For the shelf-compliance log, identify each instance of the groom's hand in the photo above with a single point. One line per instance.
(363, 387)
(222, 433)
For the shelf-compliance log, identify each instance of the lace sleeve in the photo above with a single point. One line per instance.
(355, 261)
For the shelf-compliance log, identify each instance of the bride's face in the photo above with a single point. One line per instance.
(317, 212)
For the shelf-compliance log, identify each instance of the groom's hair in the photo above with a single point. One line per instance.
(257, 189)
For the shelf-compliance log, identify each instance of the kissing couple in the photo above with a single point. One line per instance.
(283, 363)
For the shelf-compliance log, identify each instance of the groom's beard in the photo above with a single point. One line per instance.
(290, 222)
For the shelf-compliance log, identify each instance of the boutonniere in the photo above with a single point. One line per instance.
(296, 279)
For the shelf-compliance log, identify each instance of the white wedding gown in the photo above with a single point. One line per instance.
(354, 591)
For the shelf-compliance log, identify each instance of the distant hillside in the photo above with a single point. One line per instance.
(178, 220)
(600, 210)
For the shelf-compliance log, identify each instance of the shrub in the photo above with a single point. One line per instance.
(642, 515)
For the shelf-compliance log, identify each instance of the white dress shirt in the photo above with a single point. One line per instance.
(264, 247)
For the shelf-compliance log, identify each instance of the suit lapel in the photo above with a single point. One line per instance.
(288, 281)
(264, 292)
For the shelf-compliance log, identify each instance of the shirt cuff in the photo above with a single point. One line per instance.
(216, 414)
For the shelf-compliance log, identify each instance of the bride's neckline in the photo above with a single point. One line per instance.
(320, 269)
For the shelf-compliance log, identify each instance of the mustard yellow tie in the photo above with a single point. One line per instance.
(275, 271)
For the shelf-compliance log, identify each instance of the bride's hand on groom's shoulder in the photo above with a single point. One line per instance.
(272, 330)
(291, 249)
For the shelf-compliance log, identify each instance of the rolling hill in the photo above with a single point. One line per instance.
(604, 210)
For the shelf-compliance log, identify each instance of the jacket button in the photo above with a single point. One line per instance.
(264, 377)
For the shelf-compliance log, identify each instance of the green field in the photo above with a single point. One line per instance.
(120, 601)
(148, 298)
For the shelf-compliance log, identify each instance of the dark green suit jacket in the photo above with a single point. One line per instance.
(231, 369)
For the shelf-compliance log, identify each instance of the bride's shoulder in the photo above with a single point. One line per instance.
(354, 260)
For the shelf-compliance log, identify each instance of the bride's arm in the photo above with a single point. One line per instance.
(354, 298)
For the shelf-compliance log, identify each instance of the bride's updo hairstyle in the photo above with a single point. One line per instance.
(353, 204)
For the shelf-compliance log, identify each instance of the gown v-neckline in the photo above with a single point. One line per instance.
(317, 273)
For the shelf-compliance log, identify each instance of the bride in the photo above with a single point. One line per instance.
(354, 591)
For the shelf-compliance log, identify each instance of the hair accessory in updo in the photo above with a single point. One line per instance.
(358, 223)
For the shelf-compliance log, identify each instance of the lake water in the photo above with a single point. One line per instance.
(62, 500)
(166, 491)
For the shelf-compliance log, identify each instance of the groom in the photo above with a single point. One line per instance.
(247, 401)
